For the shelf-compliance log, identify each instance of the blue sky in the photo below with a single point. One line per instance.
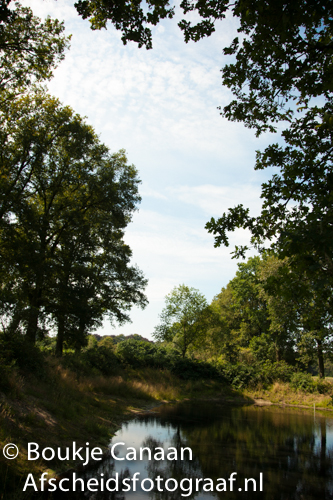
(161, 107)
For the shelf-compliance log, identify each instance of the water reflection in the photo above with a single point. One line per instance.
(292, 450)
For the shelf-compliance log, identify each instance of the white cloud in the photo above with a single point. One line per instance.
(214, 200)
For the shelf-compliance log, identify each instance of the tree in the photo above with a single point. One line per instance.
(297, 209)
(283, 65)
(279, 288)
(29, 49)
(5, 12)
(299, 315)
(223, 331)
(242, 315)
(182, 319)
(283, 73)
(284, 23)
(65, 204)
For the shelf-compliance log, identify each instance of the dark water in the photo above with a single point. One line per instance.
(290, 450)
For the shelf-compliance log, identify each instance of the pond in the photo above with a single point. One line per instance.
(228, 452)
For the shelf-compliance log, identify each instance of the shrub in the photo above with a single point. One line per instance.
(138, 353)
(97, 359)
(15, 348)
(323, 386)
(6, 371)
(240, 375)
(303, 381)
(102, 358)
(243, 375)
(189, 369)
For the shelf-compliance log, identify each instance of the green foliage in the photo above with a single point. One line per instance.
(183, 318)
(323, 387)
(92, 360)
(297, 208)
(138, 353)
(303, 381)
(306, 383)
(127, 16)
(242, 375)
(250, 314)
(101, 358)
(17, 352)
(107, 342)
(191, 369)
(64, 199)
(29, 49)
(65, 202)
(7, 369)
(282, 72)
(263, 348)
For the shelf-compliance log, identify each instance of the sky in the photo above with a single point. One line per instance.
(160, 105)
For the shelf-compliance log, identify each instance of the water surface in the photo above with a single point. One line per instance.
(290, 450)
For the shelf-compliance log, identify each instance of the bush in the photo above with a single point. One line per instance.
(303, 381)
(243, 375)
(240, 375)
(189, 369)
(323, 386)
(27, 357)
(6, 371)
(98, 360)
(146, 354)
(278, 371)
(102, 358)
(138, 353)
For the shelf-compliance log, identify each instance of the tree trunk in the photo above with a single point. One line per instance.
(14, 322)
(60, 335)
(31, 332)
(320, 359)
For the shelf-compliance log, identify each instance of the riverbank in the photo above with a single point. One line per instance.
(60, 407)
(280, 393)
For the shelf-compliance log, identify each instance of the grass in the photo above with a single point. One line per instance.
(283, 393)
(59, 407)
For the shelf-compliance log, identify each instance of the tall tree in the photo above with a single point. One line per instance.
(182, 319)
(283, 73)
(65, 204)
(223, 331)
(242, 313)
(29, 49)
(280, 288)
(283, 65)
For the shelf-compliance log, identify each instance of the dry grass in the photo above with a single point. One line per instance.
(61, 407)
(281, 392)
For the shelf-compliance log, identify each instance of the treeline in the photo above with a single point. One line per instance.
(271, 312)
(65, 200)
(268, 313)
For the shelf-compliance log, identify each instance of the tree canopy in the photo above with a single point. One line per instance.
(182, 318)
(65, 202)
(271, 312)
(29, 48)
(283, 74)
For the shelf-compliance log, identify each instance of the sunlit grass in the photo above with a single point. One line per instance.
(283, 393)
